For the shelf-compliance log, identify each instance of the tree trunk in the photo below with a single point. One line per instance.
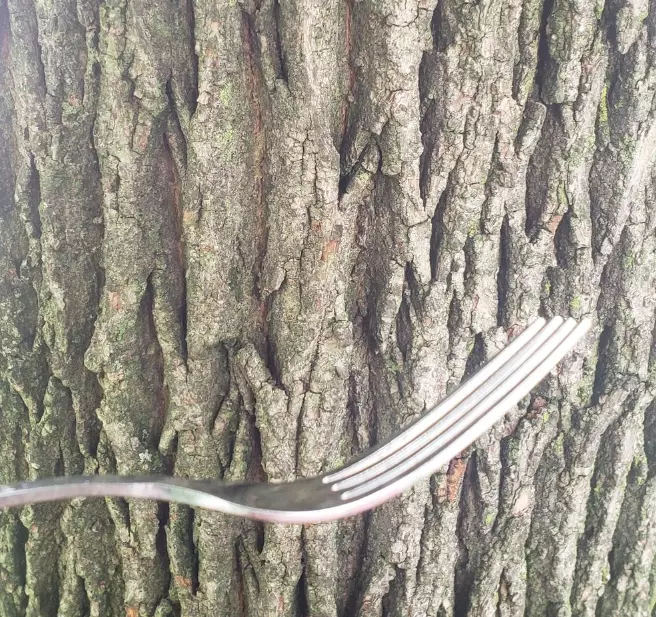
(248, 239)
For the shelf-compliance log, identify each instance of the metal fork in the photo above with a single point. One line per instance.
(371, 479)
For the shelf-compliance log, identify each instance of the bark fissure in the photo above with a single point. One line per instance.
(282, 64)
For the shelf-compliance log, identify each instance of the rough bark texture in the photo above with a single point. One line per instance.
(247, 239)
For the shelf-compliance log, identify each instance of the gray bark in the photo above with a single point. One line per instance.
(248, 239)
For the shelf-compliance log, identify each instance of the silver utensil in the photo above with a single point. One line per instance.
(372, 478)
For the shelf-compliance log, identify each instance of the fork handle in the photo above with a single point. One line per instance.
(70, 487)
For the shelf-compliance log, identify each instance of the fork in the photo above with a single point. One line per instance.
(369, 480)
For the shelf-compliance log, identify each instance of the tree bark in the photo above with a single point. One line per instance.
(248, 239)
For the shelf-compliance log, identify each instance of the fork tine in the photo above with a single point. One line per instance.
(493, 415)
(443, 408)
(484, 415)
(464, 403)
